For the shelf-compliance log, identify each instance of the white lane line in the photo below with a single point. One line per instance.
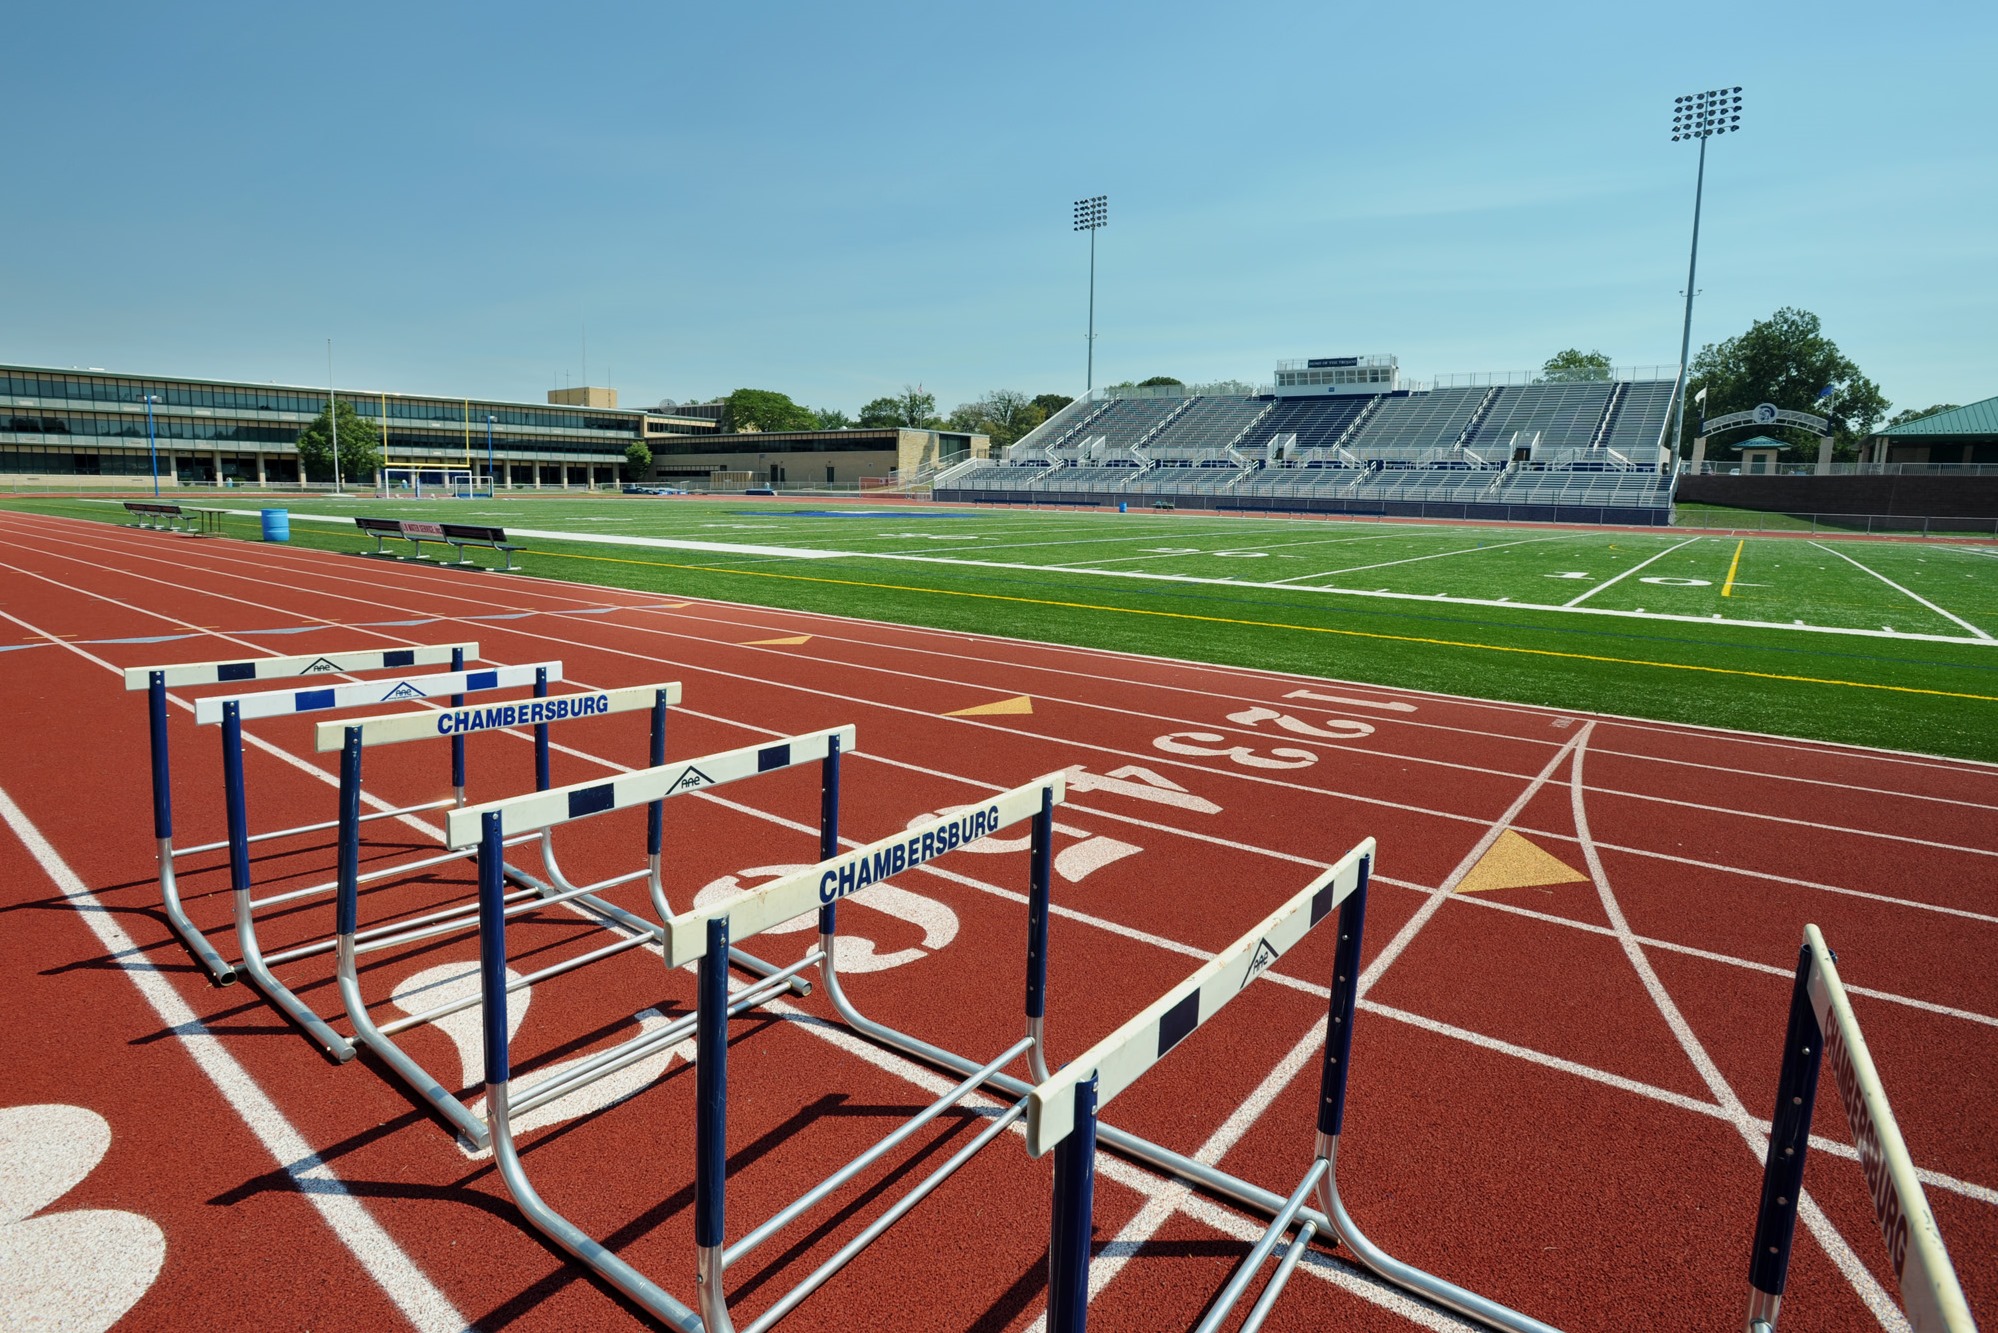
(1947, 615)
(1864, 1284)
(405, 1284)
(1385, 958)
(1435, 555)
(1610, 583)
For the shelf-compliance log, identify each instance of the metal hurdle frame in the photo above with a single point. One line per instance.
(703, 934)
(349, 941)
(490, 828)
(156, 680)
(1062, 1110)
(232, 711)
(1062, 1115)
(1822, 1024)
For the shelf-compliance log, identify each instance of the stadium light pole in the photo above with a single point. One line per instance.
(1697, 116)
(1091, 215)
(152, 447)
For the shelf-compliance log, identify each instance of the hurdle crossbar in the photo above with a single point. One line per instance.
(1822, 1025)
(282, 703)
(156, 680)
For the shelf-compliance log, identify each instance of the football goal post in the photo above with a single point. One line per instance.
(431, 483)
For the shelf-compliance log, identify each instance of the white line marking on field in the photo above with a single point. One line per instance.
(400, 1279)
(1948, 615)
(1435, 555)
(1864, 1284)
(1607, 583)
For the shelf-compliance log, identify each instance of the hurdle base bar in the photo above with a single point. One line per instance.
(634, 1285)
(1245, 1272)
(221, 972)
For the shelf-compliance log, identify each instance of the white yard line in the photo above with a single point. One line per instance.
(1434, 555)
(1915, 596)
(1609, 583)
(401, 1280)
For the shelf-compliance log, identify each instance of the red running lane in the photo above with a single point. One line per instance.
(1476, 989)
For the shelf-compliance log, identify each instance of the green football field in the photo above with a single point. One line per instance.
(1876, 642)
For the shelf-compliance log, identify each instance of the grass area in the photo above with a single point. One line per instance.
(1464, 610)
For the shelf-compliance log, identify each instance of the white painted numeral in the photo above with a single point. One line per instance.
(1195, 743)
(1385, 705)
(1149, 786)
(1349, 730)
(1073, 863)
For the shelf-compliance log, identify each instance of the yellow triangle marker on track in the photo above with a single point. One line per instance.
(784, 643)
(1514, 863)
(1018, 705)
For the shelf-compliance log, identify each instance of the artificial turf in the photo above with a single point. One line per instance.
(1015, 573)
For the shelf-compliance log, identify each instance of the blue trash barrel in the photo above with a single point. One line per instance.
(277, 525)
(1123, 508)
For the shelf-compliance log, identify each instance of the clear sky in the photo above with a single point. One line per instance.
(834, 200)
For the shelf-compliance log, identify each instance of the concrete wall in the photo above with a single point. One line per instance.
(1932, 497)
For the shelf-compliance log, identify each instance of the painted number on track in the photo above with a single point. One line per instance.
(1201, 742)
(1074, 863)
(1347, 729)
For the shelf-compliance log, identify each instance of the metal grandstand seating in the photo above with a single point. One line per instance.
(1442, 453)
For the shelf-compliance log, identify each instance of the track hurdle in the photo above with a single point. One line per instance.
(156, 680)
(492, 826)
(350, 942)
(233, 710)
(1062, 1116)
(1822, 1024)
(703, 934)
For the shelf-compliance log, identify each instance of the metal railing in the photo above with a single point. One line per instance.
(1480, 379)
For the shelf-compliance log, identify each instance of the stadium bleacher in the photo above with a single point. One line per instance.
(1580, 451)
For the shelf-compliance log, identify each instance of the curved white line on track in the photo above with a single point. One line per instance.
(1864, 1284)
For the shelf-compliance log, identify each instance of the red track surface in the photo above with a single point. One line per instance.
(1529, 1117)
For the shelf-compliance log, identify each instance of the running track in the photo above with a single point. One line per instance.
(1556, 1089)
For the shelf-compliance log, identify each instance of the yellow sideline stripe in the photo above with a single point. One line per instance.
(1273, 624)
(1727, 589)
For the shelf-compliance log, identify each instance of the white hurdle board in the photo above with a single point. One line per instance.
(356, 694)
(1930, 1293)
(559, 805)
(781, 900)
(1122, 1057)
(391, 728)
(300, 664)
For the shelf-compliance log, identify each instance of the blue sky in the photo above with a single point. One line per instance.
(836, 200)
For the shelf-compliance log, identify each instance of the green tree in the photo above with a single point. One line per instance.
(912, 407)
(1003, 414)
(1051, 403)
(1908, 414)
(637, 461)
(1575, 365)
(1158, 380)
(360, 445)
(1786, 360)
(831, 418)
(765, 410)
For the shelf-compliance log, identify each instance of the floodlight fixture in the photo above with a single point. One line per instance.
(1092, 215)
(1701, 115)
